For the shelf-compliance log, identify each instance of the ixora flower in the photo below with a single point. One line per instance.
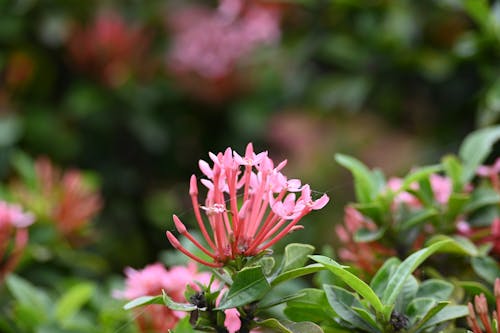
(13, 227)
(250, 205)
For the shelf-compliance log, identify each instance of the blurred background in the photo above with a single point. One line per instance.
(134, 93)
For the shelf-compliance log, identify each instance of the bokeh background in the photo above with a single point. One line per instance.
(136, 92)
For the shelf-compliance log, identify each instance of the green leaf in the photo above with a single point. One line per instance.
(478, 10)
(343, 303)
(486, 267)
(399, 277)
(458, 244)
(143, 300)
(418, 307)
(270, 303)
(428, 316)
(482, 197)
(417, 175)
(477, 145)
(26, 293)
(187, 307)
(352, 280)
(364, 183)
(372, 210)
(438, 289)
(381, 278)
(312, 306)
(72, 300)
(448, 313)
(475, 288)
(289, 326)
(249, 285)
(418, 217)
(407, 294)
(296, 255)
(295, 273)
(366, 235)
(184, 326)
(453, 169)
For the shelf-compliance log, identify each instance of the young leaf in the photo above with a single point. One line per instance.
(249, 285)
(343, 303)
(143, 300)
(352, 280)
(477, 145)
(73, 299)
(364, 182)
(399, 277)
(296, 255)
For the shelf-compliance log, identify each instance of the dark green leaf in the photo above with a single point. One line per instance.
(428, 316)
(448, 313)
(417, 218)
(249, 285)
(289, 326)
(475, 288)
(343, 302)
(366, 235)
(480, 198)
(381, 278)
(313, 306)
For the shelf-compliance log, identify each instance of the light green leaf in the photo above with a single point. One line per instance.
(363, 180)
(477, 145)
(417, 175)
(295, 273)
(72, 300)
(249, 285)
(457, 244)
(143, 300)
(285, 326)
(26, 293)
(296, 255)
(399, 277)
(352, 280)
(187, 307)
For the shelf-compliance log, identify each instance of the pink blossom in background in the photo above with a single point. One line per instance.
(492, 172)
(210, 44)
(442, 188)
(150, 281)
(13, 233)
(109, 48)
(368, 256)
(482, 235)
(250, 205)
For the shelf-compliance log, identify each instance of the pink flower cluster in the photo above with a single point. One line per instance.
(153, 280)
(13, 224)
(270, 206)
(210, 43)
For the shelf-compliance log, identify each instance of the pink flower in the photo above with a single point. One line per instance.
(151, 281)
(13, 224)
(266, 213)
